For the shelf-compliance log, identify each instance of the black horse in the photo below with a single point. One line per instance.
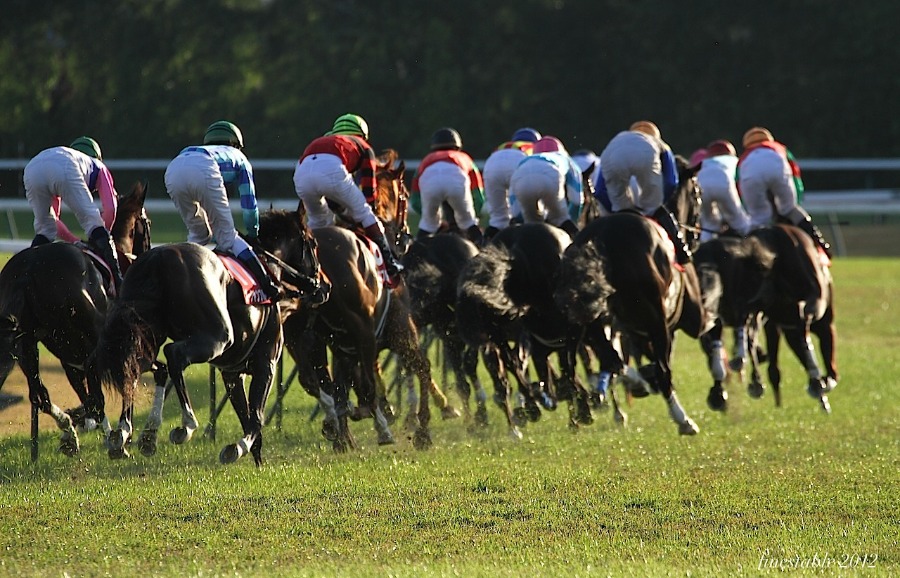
(505, 300)
(184, 293)
(433, 266)
(58, 295)
(777, 277)
(620, 271)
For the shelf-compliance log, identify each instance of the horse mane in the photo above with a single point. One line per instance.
(582, 288)
(124, 347)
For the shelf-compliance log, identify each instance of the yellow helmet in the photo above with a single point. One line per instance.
(756, 135)
(646, 127)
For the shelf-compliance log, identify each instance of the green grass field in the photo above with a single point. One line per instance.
(759, 491)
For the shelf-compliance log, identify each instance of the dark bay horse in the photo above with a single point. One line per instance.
(57, 295)
(779, 274)
(182, 292)
(433, 267)
(620, 269)
(363, 316)
(505, 300)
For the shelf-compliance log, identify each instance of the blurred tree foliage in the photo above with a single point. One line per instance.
(145, 77)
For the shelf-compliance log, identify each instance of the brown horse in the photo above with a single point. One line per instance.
(362, 316)
(777, 272)
(620, 268)
(57, 295)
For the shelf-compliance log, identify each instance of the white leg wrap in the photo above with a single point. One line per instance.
(154, 420)
(812, 366)
(675, 409)
(480, 393)
(717, 361)
(243, 447)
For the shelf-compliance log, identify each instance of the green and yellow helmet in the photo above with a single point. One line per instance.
(88, 146)
(352, 124)
(223, 132)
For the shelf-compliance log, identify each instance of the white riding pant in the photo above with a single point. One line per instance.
(195, 184)
(445, 181)
(54, 173)
(539, 186)
(322, 176)
(720, 202)
(632, 154)
(766, 178)
(498, 170)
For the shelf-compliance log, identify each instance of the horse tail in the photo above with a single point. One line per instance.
(483, 305)
(582, 288)
(485, 278)
(126, 345)
(424, 281)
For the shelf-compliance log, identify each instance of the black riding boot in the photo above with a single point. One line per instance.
(40, 240)
(101, 242)
(667, 220)
(393, 266)
(255, 266)
(569, 227)
(810, 229)
(474, 234)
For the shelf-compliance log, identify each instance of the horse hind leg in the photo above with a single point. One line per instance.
(801, 344)
(40, 400)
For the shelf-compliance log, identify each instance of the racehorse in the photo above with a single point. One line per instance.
(505, 294)
(57, 294)
(362, 316)
(620, 270)
(184, 293)
(433, 266)
(781, 275)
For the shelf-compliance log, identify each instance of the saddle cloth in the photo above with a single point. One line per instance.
(667, 243)
(253, 295)
(102, 266)
(379, 258)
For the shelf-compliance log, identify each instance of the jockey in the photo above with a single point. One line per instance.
(70, 175)
(641, 153)
(549, 177)
(720, 201)
(325, 171)
(196, 180)
(498, 169)
(447, 174)
(767, 168)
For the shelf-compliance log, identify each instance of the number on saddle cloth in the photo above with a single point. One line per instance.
(253, 294)
(379, 258)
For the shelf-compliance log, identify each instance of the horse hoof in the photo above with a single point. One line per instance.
(481, 416)
(450, 412)
(815, 388)
(422, 439)
(688, 428)
(179, 436)
(339, 447)
(147, 443)
(118, 454)
(830, 384)
(519, 417)
(360, 413)
(229, 454)
(717, 400)
(411, 423)
(515, 434)
(736, 364)
(756, 389)
(69, 447)
(386, 439)
(620, 418)
(329, 430)
(826, 407)
(116, 440)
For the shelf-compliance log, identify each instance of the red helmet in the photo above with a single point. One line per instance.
(720, 147)
(697, 157)
(549, 144)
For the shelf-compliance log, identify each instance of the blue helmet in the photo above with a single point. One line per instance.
(527, 135)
